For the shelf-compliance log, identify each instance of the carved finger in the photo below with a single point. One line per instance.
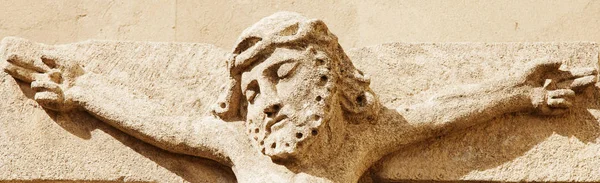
(559, 103)
(40, 86)
(28, 62)
(561, 93)
(50, 59)
(582, 72)
(579, 83)
(583, 82)
(47, 96)
(574, 74)
(48, 100)
(20, 73)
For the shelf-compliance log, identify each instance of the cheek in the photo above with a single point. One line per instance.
(254, 121)
(309, 86)
(309, 95)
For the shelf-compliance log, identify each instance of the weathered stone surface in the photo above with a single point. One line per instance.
(43, 145)
(509, 148)
(185, 80)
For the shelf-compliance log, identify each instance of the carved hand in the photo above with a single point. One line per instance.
(50, 76)
(554, 89)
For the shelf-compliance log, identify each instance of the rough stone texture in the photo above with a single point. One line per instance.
(175, 76)
(79, 147)
(509, 148)
(358, 23)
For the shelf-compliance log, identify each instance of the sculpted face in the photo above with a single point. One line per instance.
(290, 101)
(295, 87)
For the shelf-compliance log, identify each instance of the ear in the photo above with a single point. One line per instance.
(228, 103)
(360, 107)
(359, 102)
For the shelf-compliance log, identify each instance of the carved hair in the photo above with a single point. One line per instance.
(287, 29)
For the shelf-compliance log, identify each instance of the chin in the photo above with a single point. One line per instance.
(286, 153)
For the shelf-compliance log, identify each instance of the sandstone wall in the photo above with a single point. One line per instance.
(357, 23)
(36, 144)
(41, 145)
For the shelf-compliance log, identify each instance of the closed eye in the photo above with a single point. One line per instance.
(280, 70)
(286, 69)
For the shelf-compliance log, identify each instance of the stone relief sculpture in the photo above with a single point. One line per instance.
(294, 107)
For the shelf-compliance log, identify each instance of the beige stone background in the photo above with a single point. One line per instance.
(358, 23)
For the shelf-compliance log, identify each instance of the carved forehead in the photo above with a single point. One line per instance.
(271, 25)
(284, 29)
(280, 30)
(278, 56)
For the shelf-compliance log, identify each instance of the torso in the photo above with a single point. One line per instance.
(347, 165)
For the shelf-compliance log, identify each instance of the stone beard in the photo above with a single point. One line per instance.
(289, 101)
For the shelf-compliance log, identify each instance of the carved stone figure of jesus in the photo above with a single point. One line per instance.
(295, 109)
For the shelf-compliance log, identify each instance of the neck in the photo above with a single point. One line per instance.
(340, 166)
(345, 162)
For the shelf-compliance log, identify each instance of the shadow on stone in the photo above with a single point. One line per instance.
(490, 145)
(81, 124)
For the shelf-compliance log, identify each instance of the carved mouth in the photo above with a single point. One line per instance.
(274, 121)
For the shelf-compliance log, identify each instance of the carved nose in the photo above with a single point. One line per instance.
(272, 110)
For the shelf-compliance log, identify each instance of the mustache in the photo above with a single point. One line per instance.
(272, 121)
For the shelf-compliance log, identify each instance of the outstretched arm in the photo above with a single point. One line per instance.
(541, 89)
(62, 86)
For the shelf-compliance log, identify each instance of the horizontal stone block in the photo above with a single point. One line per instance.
(38, 144)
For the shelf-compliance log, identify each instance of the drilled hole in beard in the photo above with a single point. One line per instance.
(324, 78)
(223, 105)
(320, 62)
(262, 142)
(318, 98)
(256, 130)
(299, 135)
(316, 117)
(273, 145)
(287, 144)
(360, 100)
(314, 132)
